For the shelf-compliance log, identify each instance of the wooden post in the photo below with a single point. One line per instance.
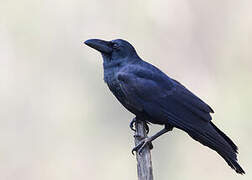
(144, 164)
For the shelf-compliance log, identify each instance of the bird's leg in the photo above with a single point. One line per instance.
(131, 125)
(148, 140)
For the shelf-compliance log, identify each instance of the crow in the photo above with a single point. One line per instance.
(153, 97)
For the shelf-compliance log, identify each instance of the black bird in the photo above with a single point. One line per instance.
(154, 97)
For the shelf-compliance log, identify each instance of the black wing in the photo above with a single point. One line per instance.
(148, 88)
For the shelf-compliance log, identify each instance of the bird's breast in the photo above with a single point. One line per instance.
(110, 78)
(115, 88)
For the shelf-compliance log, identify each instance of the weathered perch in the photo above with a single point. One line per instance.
(144, 164)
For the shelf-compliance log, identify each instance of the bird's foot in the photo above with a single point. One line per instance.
(139, 148)
(132, 125)
(146, 128)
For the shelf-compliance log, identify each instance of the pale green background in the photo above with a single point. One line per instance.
(58, 120)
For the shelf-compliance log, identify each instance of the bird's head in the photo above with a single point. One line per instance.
(113, 50)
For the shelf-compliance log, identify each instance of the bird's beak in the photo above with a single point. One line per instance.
(99, 45)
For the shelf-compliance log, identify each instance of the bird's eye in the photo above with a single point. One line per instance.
(115, 46)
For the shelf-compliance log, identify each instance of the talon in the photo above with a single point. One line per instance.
(139, 148)
(132, 152)
(146, 128)
(131, 125)
(151, 145)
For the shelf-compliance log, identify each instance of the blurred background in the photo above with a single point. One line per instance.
(58, 119)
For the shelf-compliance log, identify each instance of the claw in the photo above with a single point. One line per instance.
(136, 148)
(146, 128)
(131, 125)
(151, 145)
(139, 148)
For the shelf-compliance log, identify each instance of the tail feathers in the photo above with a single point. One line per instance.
(234, 165)
(228, 140)
(215, 139)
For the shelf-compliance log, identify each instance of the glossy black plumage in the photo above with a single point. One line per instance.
(151, 95)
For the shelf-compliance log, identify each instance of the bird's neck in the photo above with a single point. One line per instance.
(108, 64)
(111, 67)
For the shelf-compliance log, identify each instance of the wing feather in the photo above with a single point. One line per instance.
(146, 87)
